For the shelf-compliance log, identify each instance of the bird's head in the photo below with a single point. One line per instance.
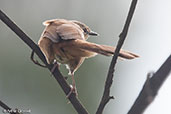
(87, 31)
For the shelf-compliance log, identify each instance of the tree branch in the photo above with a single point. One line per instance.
(58, 76)
(151, 88)
(106, 94)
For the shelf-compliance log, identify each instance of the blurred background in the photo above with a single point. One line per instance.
(25, 85)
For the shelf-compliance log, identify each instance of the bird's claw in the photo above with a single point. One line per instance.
(73, 90)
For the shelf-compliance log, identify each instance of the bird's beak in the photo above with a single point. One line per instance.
(92, 33)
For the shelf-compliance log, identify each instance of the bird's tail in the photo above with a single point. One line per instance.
(106, 50)
(92, 49)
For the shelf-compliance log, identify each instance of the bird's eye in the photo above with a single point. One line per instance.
(85, 30)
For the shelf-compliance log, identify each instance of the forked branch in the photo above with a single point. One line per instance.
(106, 94)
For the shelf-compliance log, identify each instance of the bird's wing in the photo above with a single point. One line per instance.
(69, 31)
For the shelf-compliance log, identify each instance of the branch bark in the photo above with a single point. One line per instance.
(151, 88)
(58, 76)
(106, 94)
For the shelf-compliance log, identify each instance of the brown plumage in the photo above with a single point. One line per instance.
(65, 41)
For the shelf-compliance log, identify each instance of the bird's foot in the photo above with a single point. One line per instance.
(73, 90)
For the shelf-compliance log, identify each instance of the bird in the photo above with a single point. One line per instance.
(65, 42)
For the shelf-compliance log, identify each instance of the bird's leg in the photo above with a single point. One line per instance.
(73, 87)
(55, 65)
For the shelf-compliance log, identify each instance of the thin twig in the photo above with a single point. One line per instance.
(58, 76)
(106, 94)
(151, 88)
(35, 61)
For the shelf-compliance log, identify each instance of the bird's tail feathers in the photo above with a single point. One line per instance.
(105, 50)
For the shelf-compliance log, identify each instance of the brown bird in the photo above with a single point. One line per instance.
(64, 41)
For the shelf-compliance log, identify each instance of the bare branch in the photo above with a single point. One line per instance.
(151, 88)
(58, 76)
(106, 94)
